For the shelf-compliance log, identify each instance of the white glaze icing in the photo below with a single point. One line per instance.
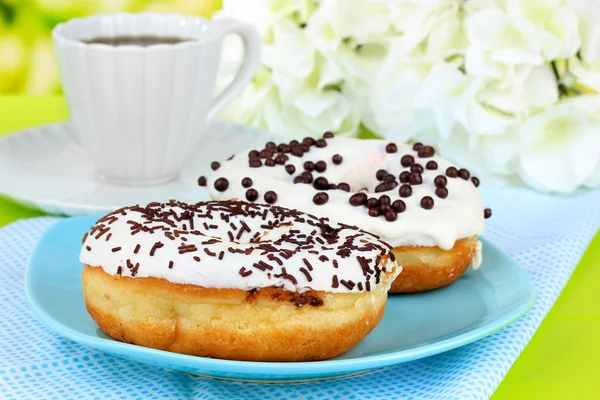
(222, 270)
(460, 215)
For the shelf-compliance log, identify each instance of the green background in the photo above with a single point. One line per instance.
(561, 361)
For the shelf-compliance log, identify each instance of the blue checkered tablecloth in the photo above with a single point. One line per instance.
(546, 234)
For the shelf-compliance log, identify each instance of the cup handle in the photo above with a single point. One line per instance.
(247, 69)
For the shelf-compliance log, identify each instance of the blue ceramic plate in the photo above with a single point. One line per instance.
(414, 326)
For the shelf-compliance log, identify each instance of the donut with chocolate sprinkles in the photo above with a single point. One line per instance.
(240, 261)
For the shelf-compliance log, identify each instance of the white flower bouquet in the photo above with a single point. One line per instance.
(508, 88)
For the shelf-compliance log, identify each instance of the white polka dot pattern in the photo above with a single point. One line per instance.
(547, 235)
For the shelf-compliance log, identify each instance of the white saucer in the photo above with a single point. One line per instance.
(44, 167)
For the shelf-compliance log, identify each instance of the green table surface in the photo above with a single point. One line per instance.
(561, 361)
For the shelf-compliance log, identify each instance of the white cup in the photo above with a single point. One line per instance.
(140, 111)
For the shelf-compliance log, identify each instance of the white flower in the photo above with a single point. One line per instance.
(522, 90)
(561, 146)
(290, 52)
(498, 40)
(587, 69)
(588, 14)
(555, 24)
(337, 20)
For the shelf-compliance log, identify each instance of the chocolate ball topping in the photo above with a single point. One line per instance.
(399, 206)
(343, 186)
(384, 199)
(358, 199)
(320, 198)
(425, 152)
(290, 169)
(321, 143)
(417, 146)
(309, 166)
(405, 190)
(451, 172)
(372, 202)
(294, 143)
(432, 165)
(389, 178)
(321, 183)
(297, 151)
(441, 192)
(270, 197)
(463, 173)
(308, 140)
(416, 168)
(332, 186)
(385, 186)
(381, 174)
(221, 184)
(255, 163)
(251, 195)
(404, 177)
(308, 176)
(383, 208)
(487, 213)
(215, 165)
(327, 135)
(475, 181)
(269, 162)
(202, 181)
(440, 181)
(321, 166)
(304, 147)
(407, 160)
(391, 148)
(336, 159)
(271, 146)
(374, 212)
(391, 215)
(427, 202)
(301, 179)
(416, 178)
(253, 154)
(247, 182)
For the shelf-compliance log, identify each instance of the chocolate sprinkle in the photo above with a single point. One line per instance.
(487, 213)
